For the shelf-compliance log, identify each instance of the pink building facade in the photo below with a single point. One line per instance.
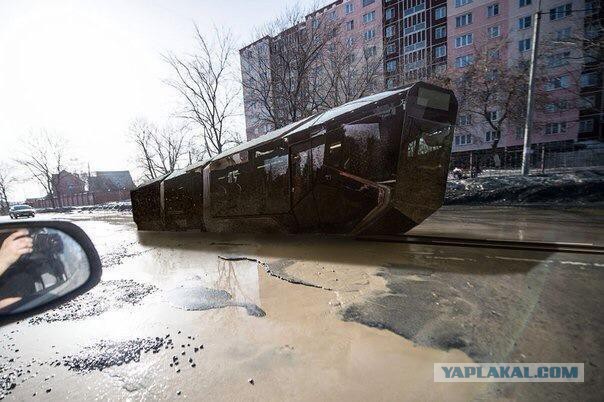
(559, 124)
(359, 25)
(416, 38)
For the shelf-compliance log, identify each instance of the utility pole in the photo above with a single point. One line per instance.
(526, 152)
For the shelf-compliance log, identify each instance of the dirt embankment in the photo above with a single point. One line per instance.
(579, 187)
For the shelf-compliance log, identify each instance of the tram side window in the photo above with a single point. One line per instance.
(333, 146)
(360, 148)
(278, 184)
(271, 193)
(228, 184)
(318, 153)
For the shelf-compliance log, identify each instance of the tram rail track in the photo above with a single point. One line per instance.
(559, 247)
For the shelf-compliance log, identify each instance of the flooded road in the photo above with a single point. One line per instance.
(232, 317)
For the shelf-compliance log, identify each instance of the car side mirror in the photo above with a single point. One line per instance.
(43, 264)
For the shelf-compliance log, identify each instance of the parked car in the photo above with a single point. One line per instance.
(20, 211)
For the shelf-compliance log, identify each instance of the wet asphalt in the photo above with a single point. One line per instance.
(223, 317)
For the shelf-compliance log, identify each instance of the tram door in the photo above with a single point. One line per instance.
(306, 158)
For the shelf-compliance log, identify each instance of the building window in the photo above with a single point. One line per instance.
(592, 31)
(464, 40)
(368, 2)
(563, 34)
(559, 106)
(463, 139)
(589, 79)
(491, 136)
(494, 32)
(370, 51)
(558, 59)
(463, 20)
(525, 22)
(348, 8)
(522, 3)
(494, 54)
(440, 51)
(464, 61)
(440, 32)
(350, 25)
(369, 17)
(350, 41)
(493, 10)
(591, 7)
(415, 9)
(524, 45)
(586, 126)
(493, 115)
(390, 48)
(369, 34)
(390, 83)
(390, 13)
(587, 102)
(562, 81)
(492, 75)
(563, 11)
(389, 31)
(440, 12)
(465, 120)
(555, 128)
(459, 3)
(391, 66)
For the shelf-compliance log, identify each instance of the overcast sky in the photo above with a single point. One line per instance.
(86, 68)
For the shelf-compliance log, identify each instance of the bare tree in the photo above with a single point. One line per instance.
(277, 75)
(7, 179)
(159, 150)
(45, 158)
(578, 50)
(302, 65)
(141, 134)
(346, 71)
(492, 93)
(206, 84)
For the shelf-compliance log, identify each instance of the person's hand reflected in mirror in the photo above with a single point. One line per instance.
(13, 247)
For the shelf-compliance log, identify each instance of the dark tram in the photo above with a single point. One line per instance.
(376, 165)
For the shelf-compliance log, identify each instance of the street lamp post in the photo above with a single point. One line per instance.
(526, 152)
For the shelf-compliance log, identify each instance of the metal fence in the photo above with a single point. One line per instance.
(509, 162)
(80, 199)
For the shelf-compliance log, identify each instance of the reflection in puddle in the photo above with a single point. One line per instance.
(233, 285)
(194, 296)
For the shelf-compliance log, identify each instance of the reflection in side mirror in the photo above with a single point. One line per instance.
(41, 264)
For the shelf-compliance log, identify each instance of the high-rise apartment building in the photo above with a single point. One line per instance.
(255, 58)
(565, 77)
(352, 30)
(415, 39)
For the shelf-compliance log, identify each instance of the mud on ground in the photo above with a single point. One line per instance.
(171, 317)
